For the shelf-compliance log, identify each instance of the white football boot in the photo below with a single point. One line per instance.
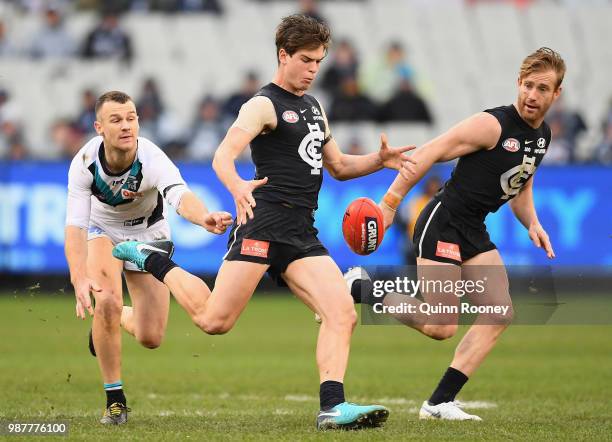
(447, 411)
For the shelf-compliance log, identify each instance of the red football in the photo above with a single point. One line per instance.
(363, 226)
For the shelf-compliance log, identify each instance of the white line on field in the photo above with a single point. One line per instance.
(478, 404)
(392, 400)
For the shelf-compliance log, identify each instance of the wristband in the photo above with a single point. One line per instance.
(392, 200)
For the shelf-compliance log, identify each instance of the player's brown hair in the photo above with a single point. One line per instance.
(116, 96)
(543, 59)
(300, 31)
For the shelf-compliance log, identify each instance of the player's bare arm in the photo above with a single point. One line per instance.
(77, 215)
(256, 116)
(524, 209)
(224, 166)
(345, 167)
(194, 210)
(480, 131)
(76, 255)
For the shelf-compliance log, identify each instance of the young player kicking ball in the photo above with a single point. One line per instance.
(290, 143)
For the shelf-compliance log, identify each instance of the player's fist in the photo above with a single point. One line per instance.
(82, 290)
(217, 222)
(541, 240)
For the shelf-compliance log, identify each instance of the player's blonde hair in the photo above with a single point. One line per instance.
(543, 59)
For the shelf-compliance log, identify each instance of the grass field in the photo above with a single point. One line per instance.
(260, 382)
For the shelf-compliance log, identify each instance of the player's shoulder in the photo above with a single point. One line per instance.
(504, 109)
(505, 115)
(88, 153)
(270, 90)
(482, 121)
(257, 101)
(83, 162)
(257, 108)
(148, 151)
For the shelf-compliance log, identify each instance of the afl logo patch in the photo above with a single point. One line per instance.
(290, 116)
(511, 144)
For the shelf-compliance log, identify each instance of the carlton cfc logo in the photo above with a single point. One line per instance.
(290, 116)
(511, 144)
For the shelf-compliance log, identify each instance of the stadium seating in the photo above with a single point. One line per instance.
(466, 57)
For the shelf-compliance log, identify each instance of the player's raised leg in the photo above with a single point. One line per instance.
(106, 330)
(234, 286)
(439, 326)
(213, 313)
(318, 282)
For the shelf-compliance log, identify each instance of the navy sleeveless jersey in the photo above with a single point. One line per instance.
(483, 181)
(291, 155)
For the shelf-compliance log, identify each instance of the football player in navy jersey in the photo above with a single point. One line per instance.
(274, 229)
(498, 151)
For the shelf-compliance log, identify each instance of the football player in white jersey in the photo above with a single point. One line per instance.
(117, 185)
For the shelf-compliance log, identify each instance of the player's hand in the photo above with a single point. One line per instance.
(541, 240)
(82, 291)
(243, 197)
(388, 214)
(395, 158)
(217, 222)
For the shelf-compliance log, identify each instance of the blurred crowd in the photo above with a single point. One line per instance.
(380, 90)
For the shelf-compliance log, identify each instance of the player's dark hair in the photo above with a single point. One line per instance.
(543, 59)
(116, 96)
(300, 31)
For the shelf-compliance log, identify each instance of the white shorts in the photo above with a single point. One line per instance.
(119, 233)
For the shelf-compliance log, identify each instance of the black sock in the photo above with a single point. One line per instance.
(113, 396)
(450, 384)
(362, 292)
(331, 393)
(158, 265)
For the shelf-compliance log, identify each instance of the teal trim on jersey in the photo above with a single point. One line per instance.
(110, 198)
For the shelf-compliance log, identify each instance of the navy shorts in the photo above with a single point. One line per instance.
(442, 237)
(277, 235)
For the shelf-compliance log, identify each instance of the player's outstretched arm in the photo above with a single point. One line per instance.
(171, 185)
(76, 255)
(524, 209)
(345, 167)
(480, 131)
(194, 210)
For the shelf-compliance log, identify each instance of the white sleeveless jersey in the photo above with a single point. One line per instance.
(133, 197)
